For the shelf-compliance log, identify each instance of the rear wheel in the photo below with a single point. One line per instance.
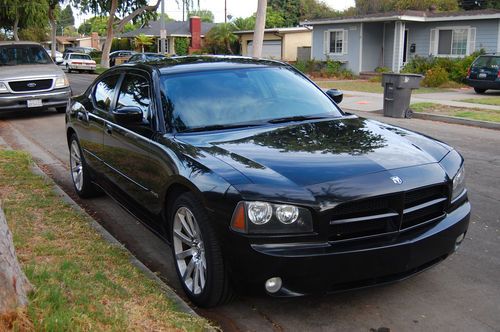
(197, 254)
(61, 109)
(80, 172)
(479, 91)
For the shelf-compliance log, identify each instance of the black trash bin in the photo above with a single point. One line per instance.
(397, 93)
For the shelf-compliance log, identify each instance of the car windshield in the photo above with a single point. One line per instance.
(225, 98)
(12, 55)
(80, 57)
(487, 61)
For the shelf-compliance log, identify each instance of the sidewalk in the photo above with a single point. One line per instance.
(371, 102)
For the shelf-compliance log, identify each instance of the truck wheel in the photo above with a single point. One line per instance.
(479, 91)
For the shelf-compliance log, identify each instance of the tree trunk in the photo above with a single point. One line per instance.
(14, 285)
(16, 27)
(228, 46)
(260, 24)
(53, 26)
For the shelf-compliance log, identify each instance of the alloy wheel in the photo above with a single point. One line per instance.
(76, 165)
(189, 251)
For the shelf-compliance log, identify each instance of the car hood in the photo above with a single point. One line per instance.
(29, 71)
(307, 154)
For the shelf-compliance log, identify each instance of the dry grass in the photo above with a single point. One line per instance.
(460, 112)
(81, 282)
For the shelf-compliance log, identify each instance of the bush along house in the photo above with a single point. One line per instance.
(363, 43)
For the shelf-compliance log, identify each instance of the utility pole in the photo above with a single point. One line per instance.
(258, 33)
(163, 32)
(225, 11)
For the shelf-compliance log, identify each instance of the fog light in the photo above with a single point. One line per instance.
(459, 240)
(273, 284)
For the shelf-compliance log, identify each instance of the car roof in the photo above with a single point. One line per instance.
(13, 42)
(76, 53)
(183, 64)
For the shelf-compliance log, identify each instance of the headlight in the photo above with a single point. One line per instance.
(3, 88)
(458, 183)
(62, 82)
(267, 218)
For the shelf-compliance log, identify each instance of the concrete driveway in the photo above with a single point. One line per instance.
(461, 294)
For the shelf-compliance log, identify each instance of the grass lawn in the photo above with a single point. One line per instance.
(99, 70)
(460, 112)
(82, 283)
(484, 101)
(367, 86)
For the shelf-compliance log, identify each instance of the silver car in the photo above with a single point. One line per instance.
(29, 79)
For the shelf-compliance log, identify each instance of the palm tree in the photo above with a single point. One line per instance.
(143, 40)
(222, 36)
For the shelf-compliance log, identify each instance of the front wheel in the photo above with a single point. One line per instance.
(197, 254)
(479, 91)
(80, 172)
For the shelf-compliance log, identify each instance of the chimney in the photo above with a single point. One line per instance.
(195, 29)
(94, 40)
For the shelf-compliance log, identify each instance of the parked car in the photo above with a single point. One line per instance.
(78, 62)
(59, 56)
(29, 79)
(80, 49)
(254, 175)
(484, 73)
(123, 55)
(147, 56)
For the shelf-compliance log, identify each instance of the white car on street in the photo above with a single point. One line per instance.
(78, 62)
(59, 56)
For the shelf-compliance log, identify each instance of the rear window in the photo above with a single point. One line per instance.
(487, 61)
(12, 55)
(80, 57)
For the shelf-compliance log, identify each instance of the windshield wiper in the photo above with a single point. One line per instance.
(297, 118)
(219, 127)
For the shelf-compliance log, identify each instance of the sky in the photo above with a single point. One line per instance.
(236, 8)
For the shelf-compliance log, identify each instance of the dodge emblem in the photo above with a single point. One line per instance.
(396, 179)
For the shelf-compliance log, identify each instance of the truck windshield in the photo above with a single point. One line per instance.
(12, 55)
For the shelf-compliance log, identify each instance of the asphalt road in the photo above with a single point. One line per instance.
(461, 294)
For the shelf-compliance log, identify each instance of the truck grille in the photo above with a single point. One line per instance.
(389, 214)
(31, 85)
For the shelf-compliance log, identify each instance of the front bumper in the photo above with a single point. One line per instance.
(19, 101)
(483, 84)
(307, 268)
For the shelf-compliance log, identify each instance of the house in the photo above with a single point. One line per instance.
(391, 39)
(176, 29)
(279, 43)
(64, 42)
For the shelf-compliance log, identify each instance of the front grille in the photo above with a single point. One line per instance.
(31, 85)
(389, 214)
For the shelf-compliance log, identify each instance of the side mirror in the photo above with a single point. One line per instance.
(128, 114)
(336, 95)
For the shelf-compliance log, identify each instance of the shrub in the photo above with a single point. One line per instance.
(435, 77)
(382, 70)
(332, 68)
(181, 46)
(300, 65)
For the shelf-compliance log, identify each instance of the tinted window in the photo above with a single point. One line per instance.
(103, 95)
(12, 55)
(80, 57)
(487, 61)
(135, 92)
(227, 97)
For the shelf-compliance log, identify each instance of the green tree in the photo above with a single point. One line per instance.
(205, 15)
(65, 19)
(247, 23)
(19, 14)
(378, 6)
(127, 10)
(142, 40)
(313, 9)
(220, 39)
(288, 9)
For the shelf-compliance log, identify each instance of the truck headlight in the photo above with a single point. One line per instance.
(61, 82)
(268, 218)
(458, 183)
(3, 88)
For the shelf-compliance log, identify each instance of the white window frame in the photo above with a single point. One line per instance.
(344, 41)
(470, 32)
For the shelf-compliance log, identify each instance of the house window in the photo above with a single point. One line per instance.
(453, 41)
(336, 41)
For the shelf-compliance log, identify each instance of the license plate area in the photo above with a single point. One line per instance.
(482, 75)
(34, 103)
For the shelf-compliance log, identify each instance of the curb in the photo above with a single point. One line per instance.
(455, 120)
(178, 302)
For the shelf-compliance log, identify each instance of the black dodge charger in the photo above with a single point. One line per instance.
(255, 176)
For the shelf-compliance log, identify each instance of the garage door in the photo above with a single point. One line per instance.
(271, 49)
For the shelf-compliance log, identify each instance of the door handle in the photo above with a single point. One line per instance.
(109, 129)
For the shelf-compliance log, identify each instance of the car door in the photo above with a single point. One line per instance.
(90, 118)
(130, 152)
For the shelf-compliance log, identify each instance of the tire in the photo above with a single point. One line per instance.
(197, 254)
(80, 172)
(479, 91)
(61, 109)
(67, 69)
(408, 113)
